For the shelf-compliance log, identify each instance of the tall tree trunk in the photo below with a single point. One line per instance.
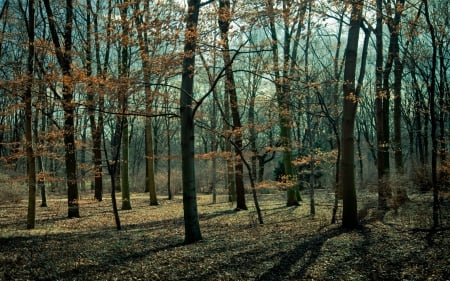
(283, 99)
(31, 163)
(349, 213)
(95, 124)
(431, 97)
(230, 89)
(395, 27)
(64, 57)
(382, 145)
(150, 185)
(191, 220)
(123, 104)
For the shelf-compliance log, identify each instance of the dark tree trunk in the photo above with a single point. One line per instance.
(431, 96)
(349, 213)
(64, 57)
(230, 89)
(31, 163)
(191, 220)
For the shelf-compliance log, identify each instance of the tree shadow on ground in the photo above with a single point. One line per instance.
(308, 250)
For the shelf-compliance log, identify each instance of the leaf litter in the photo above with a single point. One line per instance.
(291, 245)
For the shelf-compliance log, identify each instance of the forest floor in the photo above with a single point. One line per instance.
(290, 245)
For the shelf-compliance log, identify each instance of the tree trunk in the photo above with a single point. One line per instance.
(230, 89)
(394, 28)
(380, 103)
(432, 94)
(123, 104)
(96, 125)
(31, 163)
(283, 99)
(126, 200)
(230, 182)
(64, 57)
(150, 185)
(191, 220)
(149, 159)
(349, 213)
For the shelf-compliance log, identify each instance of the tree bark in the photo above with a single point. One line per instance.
(191, 220)
(230, 89)
(123, 104)
(31, 163)
(283, 99)
(432, 108)
(64, 57)
(349, 213)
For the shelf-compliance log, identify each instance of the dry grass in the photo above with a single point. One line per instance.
(289, 246)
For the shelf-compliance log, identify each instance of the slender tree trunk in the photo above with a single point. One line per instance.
(123, 103)
(230, 89)
(150, 185)
(231, 186)
(31, 163)
(394, 28)
(64, 57)
(443, 112)
(432, 94)
(284, 115)
(380, 103)
(169, 161)
(191, 220)
(349, 213)
(149, 161)
(96, 124)
(126, 200)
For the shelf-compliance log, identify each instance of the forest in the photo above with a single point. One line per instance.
(224, 140)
